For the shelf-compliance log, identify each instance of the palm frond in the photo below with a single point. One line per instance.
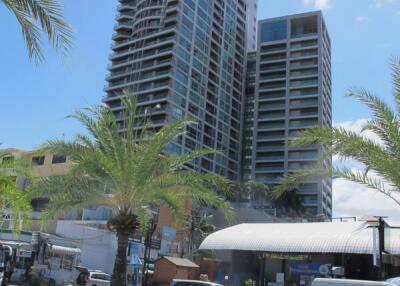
(396, 82)
(385, 123)
(39, 18)
(67, 193)
(293, 180)
(19, 205)
(380, 158)
(372, 182)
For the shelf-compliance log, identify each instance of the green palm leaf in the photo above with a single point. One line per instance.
(39, 19)
(13, 200)
(129, 171)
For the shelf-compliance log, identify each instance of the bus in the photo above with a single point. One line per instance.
(5, 251)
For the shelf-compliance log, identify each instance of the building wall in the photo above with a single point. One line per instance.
(187, 59)
(292, 92)
(251, 24)
(44, 167)
(43, 164)
(164, 271)
(98, 247)
(248, 116)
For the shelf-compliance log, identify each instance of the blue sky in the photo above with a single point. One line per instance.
(36, 99)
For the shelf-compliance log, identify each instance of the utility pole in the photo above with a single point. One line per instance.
(147, 248)
(381, 235)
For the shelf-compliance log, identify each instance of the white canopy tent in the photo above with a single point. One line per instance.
(325, 237)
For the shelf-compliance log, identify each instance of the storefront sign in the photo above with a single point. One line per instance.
(134, 253)
(286, 256)
(305, 269)
(24, 253)
(280, 278)
(168, 233)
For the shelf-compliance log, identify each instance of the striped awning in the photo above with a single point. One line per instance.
(63, 250)
(325, 237)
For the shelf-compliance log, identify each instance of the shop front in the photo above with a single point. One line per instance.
(295, 254)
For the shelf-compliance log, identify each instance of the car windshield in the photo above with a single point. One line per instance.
(190, 283)
(101, 276)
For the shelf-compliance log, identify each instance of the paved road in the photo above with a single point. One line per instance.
(15, 284)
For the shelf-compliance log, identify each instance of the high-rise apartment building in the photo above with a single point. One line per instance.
(251, 24)
(248, 116)
(292, 92)
(184, 58)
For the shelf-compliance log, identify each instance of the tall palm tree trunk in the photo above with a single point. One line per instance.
(119, 272)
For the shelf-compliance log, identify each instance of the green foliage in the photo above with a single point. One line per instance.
(243, 191)
(201, 226)
(249, 282)
(125, 166)
(13, 200)
(380, 158)
(127, 170)
(39, 19)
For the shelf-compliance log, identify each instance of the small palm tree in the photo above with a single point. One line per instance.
(129, 171)
(39, 19)
(246, 191)
(380, 158)
(200, 225)
(14, 201)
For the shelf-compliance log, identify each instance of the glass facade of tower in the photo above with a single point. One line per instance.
(292, 92)
(248, 116)
(184, 58)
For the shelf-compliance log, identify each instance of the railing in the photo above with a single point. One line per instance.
(303, 123)
(267, 137)
(270, 158)
(271, 106)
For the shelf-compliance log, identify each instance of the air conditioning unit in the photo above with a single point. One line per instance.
(337, 271)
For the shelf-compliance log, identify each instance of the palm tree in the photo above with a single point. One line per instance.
(380, 158)
(14, 201)
(128, 170)
(201, 225)
(39, 19)
(245, 191)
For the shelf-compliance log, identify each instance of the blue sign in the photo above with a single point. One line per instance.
(134, 251)
(135, 276)
(168, 233)
(305, 269)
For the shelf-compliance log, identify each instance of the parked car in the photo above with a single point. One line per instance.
(347, 282)
(394, 281)
(182, 282)
(93, 278)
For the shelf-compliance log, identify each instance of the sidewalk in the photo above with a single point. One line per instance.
(15, 283)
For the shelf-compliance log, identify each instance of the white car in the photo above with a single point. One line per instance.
(346, 282)
(94, 278)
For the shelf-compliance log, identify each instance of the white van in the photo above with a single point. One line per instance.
(93, 278)
(347, 282)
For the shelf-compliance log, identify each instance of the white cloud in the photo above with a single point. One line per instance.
(380, 3)
(351, 199)
(357, 126)
(361, 19)
(318, 4)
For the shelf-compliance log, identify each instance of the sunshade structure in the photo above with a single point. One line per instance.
(63, 250)
(326, 237)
